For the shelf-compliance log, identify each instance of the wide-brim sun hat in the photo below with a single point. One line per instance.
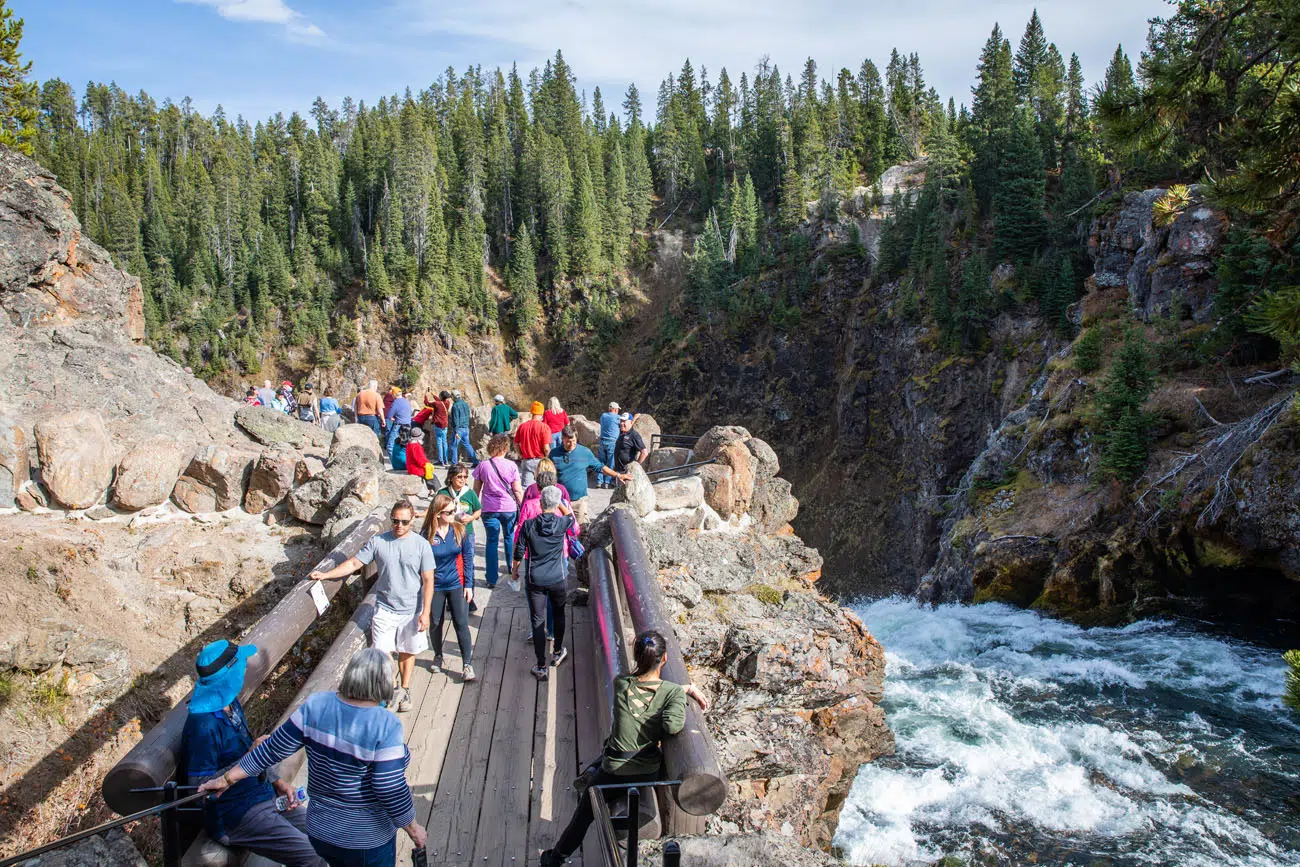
(613, 404)
(417, 434)
(220, 666)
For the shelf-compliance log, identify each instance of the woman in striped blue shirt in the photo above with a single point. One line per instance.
(356, 766)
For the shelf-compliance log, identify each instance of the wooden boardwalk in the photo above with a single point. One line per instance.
(492, 761)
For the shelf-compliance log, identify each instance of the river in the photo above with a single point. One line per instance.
(1023, 739)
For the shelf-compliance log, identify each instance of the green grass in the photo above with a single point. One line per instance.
(51, 695)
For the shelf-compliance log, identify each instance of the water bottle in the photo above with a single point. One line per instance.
(282, 802)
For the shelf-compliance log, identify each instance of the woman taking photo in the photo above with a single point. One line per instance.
(556, 419)
(453, 576)
(496, 481)
(356, 766)
(646, 709)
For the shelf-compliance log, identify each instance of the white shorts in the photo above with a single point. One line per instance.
(397, 633)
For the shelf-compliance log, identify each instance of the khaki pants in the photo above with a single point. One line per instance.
(580, 511)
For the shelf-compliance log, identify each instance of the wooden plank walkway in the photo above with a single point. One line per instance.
(492, 761)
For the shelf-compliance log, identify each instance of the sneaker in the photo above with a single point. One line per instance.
(437, 662)
(402, 699)
(583, 781)
(468, 675)
(473, 606)
(551, 858)
(559, 656)
(514, 585)
(539, 672)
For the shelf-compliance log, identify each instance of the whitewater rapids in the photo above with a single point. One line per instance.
(1024, 739)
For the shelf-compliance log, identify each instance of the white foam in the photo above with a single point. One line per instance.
(1009, 722)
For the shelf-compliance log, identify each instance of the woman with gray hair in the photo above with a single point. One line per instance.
(542, 552)
(356, 766)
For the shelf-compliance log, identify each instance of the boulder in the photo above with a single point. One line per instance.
(637, 491)
(588, 431)
(310, 468)
(715, 438)
(269, 427)
(215, 479)
(149, 471)
(664, 459)
(646, 425)
(774, 504)
(683, 493)
(716, 479)
(766, 464)
(273, 477)
(769, 849)
(13, 461)
(351, 436)
(737, 456)
(31, 497)
(77, 458)
(314, 501)
(705, 519)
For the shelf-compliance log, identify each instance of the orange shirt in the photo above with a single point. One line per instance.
(370, 403)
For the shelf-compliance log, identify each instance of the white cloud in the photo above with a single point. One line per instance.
(612, 42)
(296, 26)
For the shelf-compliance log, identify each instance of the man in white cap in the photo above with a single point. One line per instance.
(503, 416)
(608, 437)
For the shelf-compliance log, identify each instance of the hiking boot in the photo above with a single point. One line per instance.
(559, 656)
(584, 781)
(539, 672)
(402, 700)
(468, 674)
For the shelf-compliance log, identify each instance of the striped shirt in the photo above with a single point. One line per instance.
(356, 769)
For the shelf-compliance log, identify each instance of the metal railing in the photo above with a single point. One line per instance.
(166, 813)
(663, 473)
(663, 440)
(608, 825)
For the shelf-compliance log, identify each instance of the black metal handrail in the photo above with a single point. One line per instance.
(608, 826)
(679, 468)
(167, 815)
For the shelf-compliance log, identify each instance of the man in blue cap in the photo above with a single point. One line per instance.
(216, 737)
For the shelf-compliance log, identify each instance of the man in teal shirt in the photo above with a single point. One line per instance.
(571, 464)
(503, 416)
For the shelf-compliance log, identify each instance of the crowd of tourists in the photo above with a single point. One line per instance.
(530, 493)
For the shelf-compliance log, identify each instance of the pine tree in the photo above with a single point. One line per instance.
(377, 285)
(1018, 204)
(618, 215)
(1123, 430)
(1031, 55)
(993, 114)
(792, 198)
(584, 225)
(17, 94)
(521, 281)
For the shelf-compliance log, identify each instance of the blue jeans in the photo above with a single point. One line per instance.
(607, 458)
(440, 437)
(500, 524)
(383, 855)
(462, 438)
(393, 429)
(372, 422)
(556, 439)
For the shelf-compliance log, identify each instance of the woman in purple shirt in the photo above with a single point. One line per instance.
(496, 481)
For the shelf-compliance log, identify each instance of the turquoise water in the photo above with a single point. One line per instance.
(1024, 739)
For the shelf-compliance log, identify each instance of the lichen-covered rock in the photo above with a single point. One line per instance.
(215, 479)
(272, 478)
(149, 472)
(588, 431)
(774, 504)
(708, 445)
(646, 425)
(766, 464)
(270, 427)
(77, 458)
(664, 459)
(114, 849)
(717, 481)
(316, 500)
(769, 849)
(637, 491)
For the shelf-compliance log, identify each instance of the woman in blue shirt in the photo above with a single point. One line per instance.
(216, 736)
(453, 575)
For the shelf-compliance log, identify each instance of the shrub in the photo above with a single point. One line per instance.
(1171, 205)
(1087, 350)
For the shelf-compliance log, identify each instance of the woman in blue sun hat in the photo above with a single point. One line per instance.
(216, 737)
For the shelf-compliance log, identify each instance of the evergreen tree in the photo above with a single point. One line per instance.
(17, 94)
(1018, 205)
(792, 198)
(1123, 430)
(521, 281)
(993, 113)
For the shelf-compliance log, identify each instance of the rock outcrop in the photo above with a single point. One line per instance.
(149, 472)
(77, 458)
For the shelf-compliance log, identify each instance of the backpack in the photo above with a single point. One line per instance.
(305, 412)
(404, 435)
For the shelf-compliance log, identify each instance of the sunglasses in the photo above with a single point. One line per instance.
(398, 522)
(447, 512)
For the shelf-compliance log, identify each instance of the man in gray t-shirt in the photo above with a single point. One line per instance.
(403, 593)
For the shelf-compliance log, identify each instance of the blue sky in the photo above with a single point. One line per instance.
(256, 57)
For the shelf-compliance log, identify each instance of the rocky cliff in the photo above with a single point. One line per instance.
(794, 678)
(1211, 528)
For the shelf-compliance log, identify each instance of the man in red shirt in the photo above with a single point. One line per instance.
(533, 440)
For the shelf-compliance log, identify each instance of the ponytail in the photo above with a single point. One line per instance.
(648, 651)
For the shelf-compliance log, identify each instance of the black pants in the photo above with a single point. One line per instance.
(571, 837)
(537, 597)
(459, 618)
